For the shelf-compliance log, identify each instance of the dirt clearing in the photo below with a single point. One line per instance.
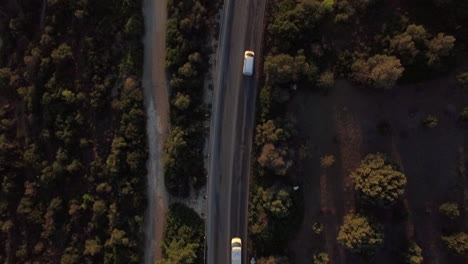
(344, 123)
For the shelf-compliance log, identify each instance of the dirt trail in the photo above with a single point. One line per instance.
(157, 110)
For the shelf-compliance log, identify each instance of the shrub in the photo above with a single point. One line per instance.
(464, 114)
(378, 181)
(449, 210)
(360, 235)
(430, 121)
(326, 80)
(321, 258)
(413, 254)
(380, 71)
(327, 161)
(462, 79)
(317, 227)
(457, 243)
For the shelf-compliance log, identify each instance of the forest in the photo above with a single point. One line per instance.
(354, 192)
(72, 133)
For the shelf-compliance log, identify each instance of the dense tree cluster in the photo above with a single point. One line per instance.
(183, 236)
(186, 61)
(271, 211)
(360, 235)
(379, 182)
(72, 158)
(381, 71)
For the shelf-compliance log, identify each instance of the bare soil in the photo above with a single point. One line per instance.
(343, 123)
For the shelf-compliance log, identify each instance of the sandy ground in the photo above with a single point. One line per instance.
(157, 109)
(343, 123)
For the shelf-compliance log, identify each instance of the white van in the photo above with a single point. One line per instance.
(248, 63)
(236, 251)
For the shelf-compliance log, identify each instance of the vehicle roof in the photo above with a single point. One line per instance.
(236, 239)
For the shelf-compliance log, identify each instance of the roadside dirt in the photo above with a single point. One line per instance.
(157, 110)
(343, 123)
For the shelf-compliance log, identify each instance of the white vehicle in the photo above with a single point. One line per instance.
(248, 63)
(236, 251)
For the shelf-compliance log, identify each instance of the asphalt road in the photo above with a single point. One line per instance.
(232, 127)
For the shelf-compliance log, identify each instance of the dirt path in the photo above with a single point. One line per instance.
(157, 110)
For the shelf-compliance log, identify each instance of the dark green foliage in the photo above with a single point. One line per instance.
(186, 33)
(457, 243)
(462, 79)
(464, 114)
(449, 210)
(183, 236)
(430, 121)
(412, 254)
(284, 69)
(321, 258)
(72, 160)
(360, 235)
(273, 216)
(378, 181)
(380, 71)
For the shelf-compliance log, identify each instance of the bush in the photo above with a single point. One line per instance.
(413, 254)
(430, 121)
(378, 181)
(380, 71)
(457, 243)
(321, 258)
(327, 161)
(449, 210)
(360, 235)
(462, 79)
(464, 114)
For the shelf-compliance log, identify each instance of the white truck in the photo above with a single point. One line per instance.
(236, 251)
(248, 63)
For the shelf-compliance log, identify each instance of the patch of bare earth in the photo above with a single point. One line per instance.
(343, 123)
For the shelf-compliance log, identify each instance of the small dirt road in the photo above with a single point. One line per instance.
(157, 111)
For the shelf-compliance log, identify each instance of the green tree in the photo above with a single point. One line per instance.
(360, 235)
(344, 11)
(440, 46)
(70, 256)
(418, 34)
(457, 243)
(181, 101)
(449, 210)
(92, 247)
(283, 69)
(321, 258)
(179, 252)
(404, 46)
(462, 79)
(413, 254)
(326, 80)
(464, 114)
(327, 161)
(62, 54)
(268, 132)
(275, 159)
(381, 71)
(378, 181)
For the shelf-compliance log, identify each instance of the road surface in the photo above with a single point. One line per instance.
(232, 128)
